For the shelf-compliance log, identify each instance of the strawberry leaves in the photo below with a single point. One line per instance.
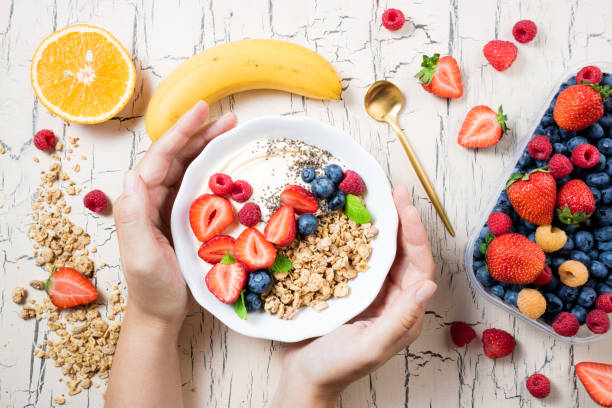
(429, 66)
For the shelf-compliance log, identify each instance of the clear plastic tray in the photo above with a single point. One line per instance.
(584, 336)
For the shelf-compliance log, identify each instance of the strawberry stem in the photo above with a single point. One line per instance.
(501, 119)
(48, 281)
(604, 90)
(429, 65)
(519, 176)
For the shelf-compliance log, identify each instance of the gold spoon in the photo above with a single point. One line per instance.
(383, 101)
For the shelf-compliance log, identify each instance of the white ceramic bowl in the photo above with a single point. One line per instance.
(364, 288)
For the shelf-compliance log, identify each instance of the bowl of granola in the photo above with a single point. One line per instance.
(284, 228)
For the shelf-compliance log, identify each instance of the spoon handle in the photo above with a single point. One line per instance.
(420, 172)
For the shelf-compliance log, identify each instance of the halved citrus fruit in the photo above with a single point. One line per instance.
(82, 74)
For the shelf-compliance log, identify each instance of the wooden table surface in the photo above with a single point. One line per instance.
(222, 368)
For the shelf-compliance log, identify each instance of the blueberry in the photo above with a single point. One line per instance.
(583, 240)
(570, 229)
(608, 168)
(484, 277)
(548, 260)
(510, 297)
(334, 172)
(503, 199)
(504, 285)
(252, 301)
(531, 236)
(606, 79)
(580, 257)
(308, 174)
(525, 160)
(580, 313)
(595, 131)
(603, 216)
(606, 122)
(601, 164)
(552, 284)
(575, 141)
(477, 253)
(598, 179)
(590, 283)
(522, 230)
(586, 297)
(606, 258)
(478, 264)
(307, 224)
(559, 148)
(571, 81)
(606, 195)
(562, 181)
(605, 146)
(567, 294)
(541, 163)
(567, 135)
(593, 254)
(498, 290)
(568, 306)
(483, 233)
(556, 262)
(259, 281)
(596, 194)
(336, 201)
(553, 303)
(549, 318)
(569, 245)
(553, 134)
(547, 120)
(322, 187)
(529, 226)
(603, 288)
(598, 270)
(605, 246)
(609, 280)
(603, 233)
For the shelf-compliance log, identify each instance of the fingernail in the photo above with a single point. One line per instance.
(130, 182)
(425, 292)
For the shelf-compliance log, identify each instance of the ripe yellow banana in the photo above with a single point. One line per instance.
(240, 66)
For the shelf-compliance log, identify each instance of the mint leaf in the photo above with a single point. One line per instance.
(228, 259)
(355, 210)
(239, 307)
(281, 264)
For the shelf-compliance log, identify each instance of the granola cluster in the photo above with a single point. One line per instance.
(323, 264)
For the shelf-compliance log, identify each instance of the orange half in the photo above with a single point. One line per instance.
(82, 74)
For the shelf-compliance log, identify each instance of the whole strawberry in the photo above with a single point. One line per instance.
(579, 106)
(533, 196)
(512, 258)
(575, 202)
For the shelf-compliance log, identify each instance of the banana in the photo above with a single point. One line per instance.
(235, 67)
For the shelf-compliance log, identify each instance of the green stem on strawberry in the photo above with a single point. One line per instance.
(501, 119)
(604, 90)
(565, 216)
(429, 66)
(519, 176)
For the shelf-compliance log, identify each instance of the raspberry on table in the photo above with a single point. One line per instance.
(45, 140)
(499, 223)
(566, 324)
(352, 183)
(524, 31)
(550, 238)
(241, 191)
(604, 302)
(585, 155)
(220, 184)
(497, 343)
(249, 215)
(393, 19)
(540, 147)
(462, 333)
(544, 277)
(598, 321)
(590, 74)
(96, 201)
(573, 273)
(531, 303)
(538, 385)
(560, 166)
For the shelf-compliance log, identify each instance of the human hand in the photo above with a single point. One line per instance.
(316, 371)
(157, 291)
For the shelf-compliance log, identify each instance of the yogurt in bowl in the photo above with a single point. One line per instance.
(269, 154)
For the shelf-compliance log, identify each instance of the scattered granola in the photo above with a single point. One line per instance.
(59, 400)
(19, 295)
(37, 284)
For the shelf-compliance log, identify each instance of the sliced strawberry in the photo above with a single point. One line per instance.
(226, 281)
(482, 127)
(597, 380)
(253, 250)
(302, 200)
(209, 215)
(441, 76)
(68, 288)
(281, 227)
(213, 250)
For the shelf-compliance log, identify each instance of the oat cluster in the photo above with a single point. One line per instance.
(323, 264)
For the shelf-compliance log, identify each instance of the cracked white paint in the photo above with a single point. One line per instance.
(227, 369)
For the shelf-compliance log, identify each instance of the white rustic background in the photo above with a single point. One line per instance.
(219, 367)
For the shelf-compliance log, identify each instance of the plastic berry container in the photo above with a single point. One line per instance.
(584, 335)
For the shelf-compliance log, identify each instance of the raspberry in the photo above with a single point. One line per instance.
(524, 31)
(540, 147)
(96, 201)
(249, 214)
(590, 74)
(573, 273)
(220, 184)
(585, 155)
(550, 238)
(44, 140)
(604, 302)
(241, 191)
(544, 277)
(598, 321)
(497, 343)
(462, 334)
(560, 166)
(566, 324)
(531, 303)
(352, 183)
(499, 223)
(538, 385)
(393, 19)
